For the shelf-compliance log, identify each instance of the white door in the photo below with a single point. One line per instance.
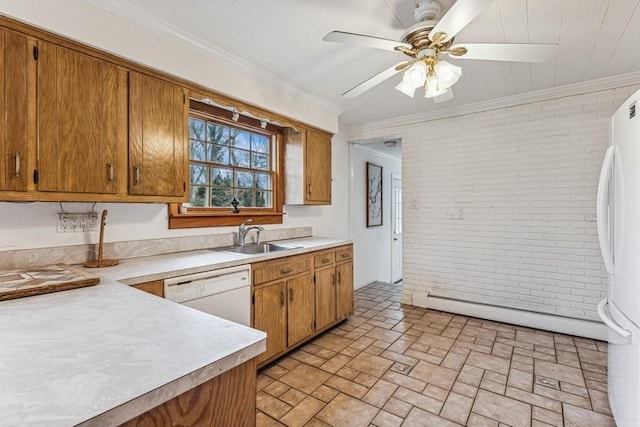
(396, 229)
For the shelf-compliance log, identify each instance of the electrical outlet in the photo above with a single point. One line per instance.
(76, 222)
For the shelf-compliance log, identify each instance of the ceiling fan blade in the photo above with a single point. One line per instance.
(447, 96)
(404, 65)
(515, 52)
(461, 13)
(373, 81)
(363, 40)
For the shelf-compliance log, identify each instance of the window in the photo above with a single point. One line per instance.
(227, 163)
(230, 161)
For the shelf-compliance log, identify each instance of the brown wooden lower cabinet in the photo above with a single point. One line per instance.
(155, 287)
(270, 316)
(300, 308)
(226, 400)
(298, 297)
(344, 290)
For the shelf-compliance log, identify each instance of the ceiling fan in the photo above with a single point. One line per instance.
(430, 38)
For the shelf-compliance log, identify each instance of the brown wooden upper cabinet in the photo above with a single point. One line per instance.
(307, 167)
(158, 113)
(17, 101)
(82, 121)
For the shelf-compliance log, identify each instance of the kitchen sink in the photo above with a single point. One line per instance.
(260, 248)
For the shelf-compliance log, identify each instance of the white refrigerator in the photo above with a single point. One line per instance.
(618, 213)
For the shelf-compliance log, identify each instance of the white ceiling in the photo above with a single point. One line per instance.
(596, 38)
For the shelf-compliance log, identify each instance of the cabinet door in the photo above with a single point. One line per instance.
(325, 297)
(299, 308)
(318, 167)
(344, 289)
(81, 121)
(269, 316)
(17, 101)
(157, 137)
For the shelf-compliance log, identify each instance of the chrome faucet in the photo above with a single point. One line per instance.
(243, 230)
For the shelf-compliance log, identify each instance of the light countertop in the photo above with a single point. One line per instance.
(104, 354)
(145, 269)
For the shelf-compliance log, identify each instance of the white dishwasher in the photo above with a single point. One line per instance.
(224, 293)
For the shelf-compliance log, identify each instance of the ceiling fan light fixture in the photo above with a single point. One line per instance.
(416, 74)
(447, 73)
(433, 87)
(406, 88)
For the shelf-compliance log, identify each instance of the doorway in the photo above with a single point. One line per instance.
(396, 229)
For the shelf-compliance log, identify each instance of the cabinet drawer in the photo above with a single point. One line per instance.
(274, 270)
(344, 254)
(326, 258)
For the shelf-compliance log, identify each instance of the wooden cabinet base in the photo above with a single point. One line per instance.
(226, 400)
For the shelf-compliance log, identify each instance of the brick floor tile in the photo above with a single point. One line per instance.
(416, 399)
(387, 419)
(580, 417)
(271, 406)
(379, 394)
(457, 408)
(392, 364)
(434, 374)
(476, 420)
(504, 409)
(293, 396)
(276, 388)
(324, 393)
(419, 418)
(346, 386)
(303, 412)
(370, 364)
(345, 411)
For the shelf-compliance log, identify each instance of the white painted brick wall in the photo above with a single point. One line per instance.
(506, 204)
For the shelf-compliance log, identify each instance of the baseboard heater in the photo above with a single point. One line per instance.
(532, 319)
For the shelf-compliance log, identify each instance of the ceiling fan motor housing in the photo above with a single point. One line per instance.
(427, 10)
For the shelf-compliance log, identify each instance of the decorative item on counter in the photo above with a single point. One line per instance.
(31, 281)
(235, 204)
(101, 262)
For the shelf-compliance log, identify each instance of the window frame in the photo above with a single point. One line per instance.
(195, 217)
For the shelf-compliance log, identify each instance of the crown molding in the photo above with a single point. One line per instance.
(356, 132)
(374, 152)
(157, 25)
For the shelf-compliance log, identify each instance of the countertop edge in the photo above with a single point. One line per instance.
(242, 259)
(175, 388)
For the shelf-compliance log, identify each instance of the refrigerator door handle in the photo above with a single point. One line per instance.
(610, 322)
(601, 210)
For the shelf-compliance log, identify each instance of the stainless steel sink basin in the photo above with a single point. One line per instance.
(261, 248)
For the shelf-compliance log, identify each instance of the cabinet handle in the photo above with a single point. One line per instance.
(290, 294)
(285, 271)
(339, 278)
(343, 255)
(282, 298)
(309, 189)
(136, 175)
(325, 260)
(110, 172)
(18, 168)
(333, 279)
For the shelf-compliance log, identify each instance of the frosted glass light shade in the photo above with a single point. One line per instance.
(416, 74)
(433, 87)
(405, 88)
(448, 74)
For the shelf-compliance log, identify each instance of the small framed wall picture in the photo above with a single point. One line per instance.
(374, 195)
